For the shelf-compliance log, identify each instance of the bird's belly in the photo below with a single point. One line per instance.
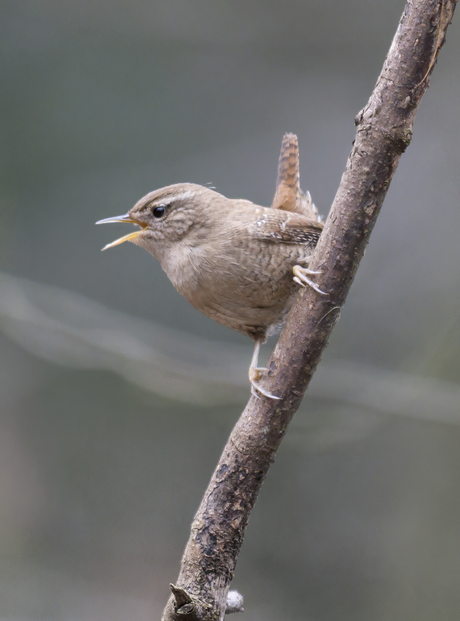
(248, 290)
(247, 302)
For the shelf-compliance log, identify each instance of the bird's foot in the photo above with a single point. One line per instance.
(301, 278)
(255, 374)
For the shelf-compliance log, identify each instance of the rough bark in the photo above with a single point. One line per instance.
(384, 131)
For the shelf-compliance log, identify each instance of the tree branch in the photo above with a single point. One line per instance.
(384, 131)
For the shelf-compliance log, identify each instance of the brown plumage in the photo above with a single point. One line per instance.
(231, 259)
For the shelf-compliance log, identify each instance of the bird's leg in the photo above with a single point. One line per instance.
(255, 374)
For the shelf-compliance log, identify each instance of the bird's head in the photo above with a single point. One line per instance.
(167, 215)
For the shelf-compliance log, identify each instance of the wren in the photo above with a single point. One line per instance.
(236, 262)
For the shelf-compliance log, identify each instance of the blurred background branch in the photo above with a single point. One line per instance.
(68, 329)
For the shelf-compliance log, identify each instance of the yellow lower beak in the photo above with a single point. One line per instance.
(126, 218)
(121, 240)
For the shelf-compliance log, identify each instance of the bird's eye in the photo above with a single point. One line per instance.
(159, 211)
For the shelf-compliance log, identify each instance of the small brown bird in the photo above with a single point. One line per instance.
(234, 261)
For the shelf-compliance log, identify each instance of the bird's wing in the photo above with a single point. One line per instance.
(289, 228)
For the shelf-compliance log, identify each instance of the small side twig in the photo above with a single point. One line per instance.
(192, 609)
(384, 130)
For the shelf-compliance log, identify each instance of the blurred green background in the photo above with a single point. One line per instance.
(117, 397)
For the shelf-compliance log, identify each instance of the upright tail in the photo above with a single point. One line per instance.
(288, 195)
(287, 192)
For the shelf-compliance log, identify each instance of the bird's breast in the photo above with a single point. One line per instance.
(241, 286)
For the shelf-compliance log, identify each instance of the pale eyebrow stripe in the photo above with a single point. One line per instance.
(182, 196)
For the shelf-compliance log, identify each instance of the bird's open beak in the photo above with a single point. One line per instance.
(126, 218)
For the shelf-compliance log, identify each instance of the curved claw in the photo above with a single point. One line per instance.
(255, 374)
(301, 278)
(255, 388)
(308, 271)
